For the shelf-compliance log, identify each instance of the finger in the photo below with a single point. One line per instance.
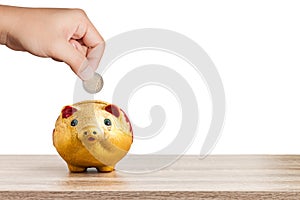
(66, 52)
(92, 37)
(96, 44)
(80, 31)
(87, 35)
(95, 54)
(81, 48)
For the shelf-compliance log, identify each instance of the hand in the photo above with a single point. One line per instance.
(62, 34)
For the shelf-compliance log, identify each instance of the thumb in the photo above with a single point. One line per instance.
(76, 60)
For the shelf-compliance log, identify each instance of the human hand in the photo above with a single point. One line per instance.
(62, 34)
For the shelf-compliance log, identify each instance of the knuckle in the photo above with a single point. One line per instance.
(79, 12)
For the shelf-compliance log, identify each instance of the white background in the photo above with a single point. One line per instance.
(255, 46)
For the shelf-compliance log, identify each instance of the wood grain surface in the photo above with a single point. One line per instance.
(215, 177)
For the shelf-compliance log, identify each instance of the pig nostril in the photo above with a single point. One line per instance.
(85, 133)
(94, 132)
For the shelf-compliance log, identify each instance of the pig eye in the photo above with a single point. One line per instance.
(107, 122)
(74, 122)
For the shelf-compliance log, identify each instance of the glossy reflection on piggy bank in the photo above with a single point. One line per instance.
(92, 134)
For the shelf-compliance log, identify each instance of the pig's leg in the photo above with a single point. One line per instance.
(73, 168)
(105, 168)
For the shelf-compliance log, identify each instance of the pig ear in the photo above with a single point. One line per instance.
(112, 109)
(127, 120)
(68, 111)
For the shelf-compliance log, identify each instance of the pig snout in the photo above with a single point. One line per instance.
(90, 133)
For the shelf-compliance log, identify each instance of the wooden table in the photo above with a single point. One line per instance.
(220, 177)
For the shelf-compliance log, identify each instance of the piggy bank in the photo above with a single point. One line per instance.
(92, 134)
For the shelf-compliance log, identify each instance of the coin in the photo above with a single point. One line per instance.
(94, 84)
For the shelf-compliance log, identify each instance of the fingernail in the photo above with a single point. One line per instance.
(87, 73)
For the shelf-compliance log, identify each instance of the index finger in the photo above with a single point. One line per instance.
(95, 43)
(92, 37)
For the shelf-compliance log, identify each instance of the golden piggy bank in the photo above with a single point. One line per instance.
(92, 134)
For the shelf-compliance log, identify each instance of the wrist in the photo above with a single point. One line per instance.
(3, 37)
(3, 25)
(8, 19)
